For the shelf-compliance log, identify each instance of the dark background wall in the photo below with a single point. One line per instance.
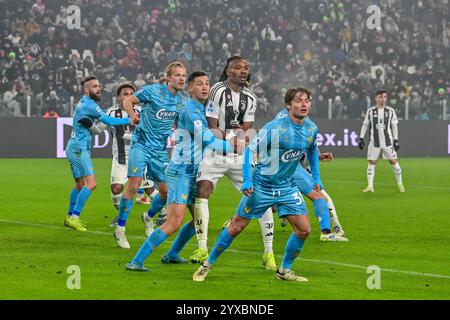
(47, 138)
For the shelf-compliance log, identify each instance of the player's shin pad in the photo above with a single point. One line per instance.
(201, 221)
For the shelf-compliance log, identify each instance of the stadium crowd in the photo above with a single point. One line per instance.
(326, 46)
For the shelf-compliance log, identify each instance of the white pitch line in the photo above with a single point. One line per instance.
(335, 263)
(362, 183)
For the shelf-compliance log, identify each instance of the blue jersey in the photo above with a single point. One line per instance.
(187, 152)
(88, 108)
(311, 169)
(281, 144)
(159, 111)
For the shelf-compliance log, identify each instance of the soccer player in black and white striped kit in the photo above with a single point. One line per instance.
(381, 121)
(231, 110)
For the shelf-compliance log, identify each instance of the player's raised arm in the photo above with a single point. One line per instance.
(128, 105)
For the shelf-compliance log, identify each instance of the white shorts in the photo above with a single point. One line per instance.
(215, 166)
(374, 153)
(119, 175)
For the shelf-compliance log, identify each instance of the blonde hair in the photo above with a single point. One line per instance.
(172, 66)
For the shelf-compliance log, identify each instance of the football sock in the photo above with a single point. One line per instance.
(157, 204)
(397, 172)
(323, 214)
(82, 197)
(201, 213)
(223, 242)
(116, 200)
(124, 210)
(153, 194)
(333, 214)
(152, 242)
(183, 237)
(266, 225)
(293, 248)
(73, 200)
(370, 174)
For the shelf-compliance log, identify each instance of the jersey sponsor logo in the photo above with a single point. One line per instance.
(292, 155)
(163, 114)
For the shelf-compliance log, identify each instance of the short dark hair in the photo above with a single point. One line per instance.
(381, 91)
(196, 74)
(125, 85)
(87, 79)
(290, 94)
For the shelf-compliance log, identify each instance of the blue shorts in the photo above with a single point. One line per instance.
(80, 162)
(182, 188)
(141, 158)
(303, 180)
(289, 201)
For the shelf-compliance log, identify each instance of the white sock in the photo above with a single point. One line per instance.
(116, 200)
(333, 213)
(201, 217)
(120, 228)
(370, 174)
(266, 224)
(153, 194)
(397, 172)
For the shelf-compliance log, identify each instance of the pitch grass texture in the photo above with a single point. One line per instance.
(406, 235)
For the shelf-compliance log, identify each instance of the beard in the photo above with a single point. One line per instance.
(95, 97)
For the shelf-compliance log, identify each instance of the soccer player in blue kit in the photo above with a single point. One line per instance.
(311, 186)
(192, 137)
(79, 146)
(280, 145)
(160, 106)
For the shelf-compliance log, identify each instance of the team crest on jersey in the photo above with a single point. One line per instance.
(292, 155)
(309, 139)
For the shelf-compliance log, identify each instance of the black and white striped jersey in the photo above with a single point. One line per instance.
(382, 125)
(120, 135)
(231, 108)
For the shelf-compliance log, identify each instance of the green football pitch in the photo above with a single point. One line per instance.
(406, 236)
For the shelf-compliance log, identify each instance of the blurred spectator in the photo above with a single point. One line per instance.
(322, 45)
(50, 114)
